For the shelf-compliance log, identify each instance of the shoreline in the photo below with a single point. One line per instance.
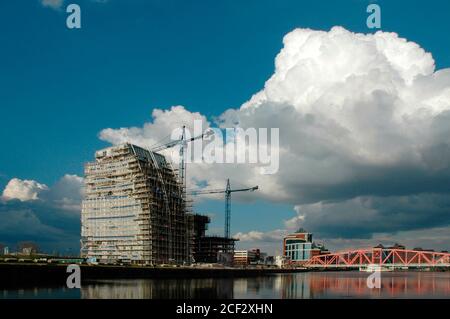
(20, 275)
(13, 274)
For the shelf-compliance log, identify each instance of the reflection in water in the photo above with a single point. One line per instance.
(393, 285)
(159, 289)
(354, 285)
(299, 285)
(40, 293)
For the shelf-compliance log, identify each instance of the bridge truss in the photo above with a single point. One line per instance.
(382, 257)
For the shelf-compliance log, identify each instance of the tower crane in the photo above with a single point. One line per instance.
(227, 191)
(183, 142)
(182, 173)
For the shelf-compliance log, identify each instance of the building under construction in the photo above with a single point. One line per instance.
(134, 209)
(207, 249)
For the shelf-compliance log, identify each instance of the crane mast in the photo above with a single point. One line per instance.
(183, 143)
(227, 191)
(182, 165)
(182, 175)
(227, 209)
(182, 178)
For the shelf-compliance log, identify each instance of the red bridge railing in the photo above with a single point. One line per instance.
(380, 256)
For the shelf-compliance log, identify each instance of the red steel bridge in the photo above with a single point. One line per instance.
(388, 258)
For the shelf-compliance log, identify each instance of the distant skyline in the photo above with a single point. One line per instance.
(364, 125)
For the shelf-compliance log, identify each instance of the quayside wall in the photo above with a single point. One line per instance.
(21, 275)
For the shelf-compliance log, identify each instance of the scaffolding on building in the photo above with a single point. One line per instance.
(134, 209)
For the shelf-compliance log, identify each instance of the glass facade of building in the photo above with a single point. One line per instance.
(298, 251)
(298, 247)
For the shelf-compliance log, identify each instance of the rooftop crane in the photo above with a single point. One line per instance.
(227, 191)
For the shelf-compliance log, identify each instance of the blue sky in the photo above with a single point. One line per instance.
(59, 88)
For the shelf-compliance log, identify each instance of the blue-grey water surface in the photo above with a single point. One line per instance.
(294, 286)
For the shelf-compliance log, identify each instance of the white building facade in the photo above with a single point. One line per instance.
(133, 209)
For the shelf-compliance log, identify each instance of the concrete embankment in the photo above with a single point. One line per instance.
(18, 275)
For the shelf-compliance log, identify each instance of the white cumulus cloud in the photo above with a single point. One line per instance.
(54, 4)
(275, 235)
(364, 125)
(165, 121)
(23, 190)
(352, 109)
(30, 210)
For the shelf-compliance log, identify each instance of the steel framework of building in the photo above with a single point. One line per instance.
(383, 257)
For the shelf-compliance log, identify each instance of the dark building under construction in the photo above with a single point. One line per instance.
(206, 249)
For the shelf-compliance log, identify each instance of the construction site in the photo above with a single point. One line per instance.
(136, 211)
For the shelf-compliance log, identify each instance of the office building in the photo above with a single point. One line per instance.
(245, 257)
(299, 247)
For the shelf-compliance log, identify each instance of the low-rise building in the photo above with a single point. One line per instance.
(299, 247)
(245, 257)
(251, 257)
(281, 261)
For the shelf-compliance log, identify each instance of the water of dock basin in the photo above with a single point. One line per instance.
(349, 284)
